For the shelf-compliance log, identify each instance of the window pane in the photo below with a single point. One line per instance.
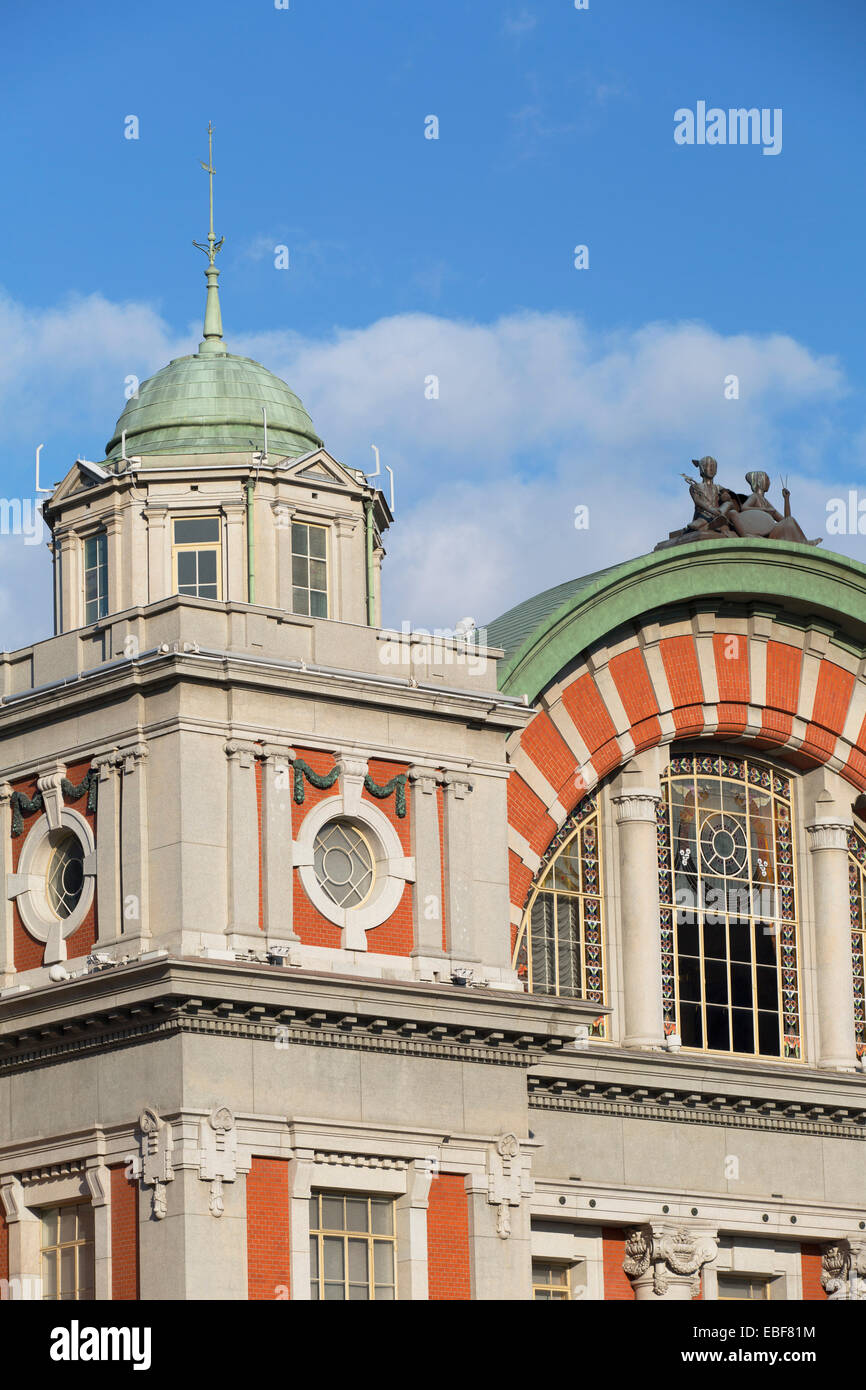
(318, 604)
(186, 567)
(743, 1030)
(358, 1292)
(49, 1226)
(68, 1223)
(314, 1213)
(382, 1213)
(299, 539)
(358, 1267)
(332, 1214)
(300, 571)
(194, 530)
(300, 601)
(67, 1270)
(718, 1032)
(314, 1258)
(384, 1292)
(335, 1293)
(207, 591)
(318, 575)
(317, 542)
(85, 1270)
(356, 1214)
(383, 1262)
(333, 1257)
(207, 566)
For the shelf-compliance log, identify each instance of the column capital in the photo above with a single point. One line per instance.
(105, 763)
(425, 779)
(665, 1258)
(244, 753)
(843, 1269)
(276, 752)
(829, 832)
(636, 804)
(458, 783)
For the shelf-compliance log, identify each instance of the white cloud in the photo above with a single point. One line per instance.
(536, 414)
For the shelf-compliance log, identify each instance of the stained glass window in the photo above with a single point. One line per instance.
(728, 906)
(560, 945)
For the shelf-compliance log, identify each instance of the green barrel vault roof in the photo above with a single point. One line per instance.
(212, 404)
(513, 628)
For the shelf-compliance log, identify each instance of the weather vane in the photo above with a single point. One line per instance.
(212, 244)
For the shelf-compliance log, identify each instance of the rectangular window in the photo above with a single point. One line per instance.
(743, 1288)
(197, 556)
(95, 577)
(67, 1252)
(352, 1247)
(551, 1281)
(309, 570)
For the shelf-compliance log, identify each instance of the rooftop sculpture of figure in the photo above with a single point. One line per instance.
(723, 514)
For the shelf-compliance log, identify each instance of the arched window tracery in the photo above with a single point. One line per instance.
(560, 946)
(728, 906)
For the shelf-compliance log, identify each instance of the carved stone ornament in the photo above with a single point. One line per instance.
(218, 1154)
(674, 1252)
(155, 1165)
(843, 1270)
(508, 1180)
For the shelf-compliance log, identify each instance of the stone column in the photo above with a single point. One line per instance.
(300, 1184)
(636, 807)
(277, 897)
(243, 839)
(70, 606)
(159, 578)
(25, 1241)
(109, 917)
(282, 514)
(828, 843)
(664, 1259)
(99, 1184)
(134, 844)
(7, 939)
(427, 849)
(843, 1270)
(458, 868)
(500, 1244)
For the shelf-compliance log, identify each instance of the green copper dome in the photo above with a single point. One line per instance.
(211, 403)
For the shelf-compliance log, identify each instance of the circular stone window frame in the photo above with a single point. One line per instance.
(393, 869)
(28, 886)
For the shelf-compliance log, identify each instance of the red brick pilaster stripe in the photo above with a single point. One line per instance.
(617, 1284)
(268, 1228)
(124, 1235)
(810, 1262)
(448, 1274)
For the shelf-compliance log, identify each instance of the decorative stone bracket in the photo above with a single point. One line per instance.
(843, 1270)
(665, 1259)
(218, 1154)
(508, 1180)
(155, 1163)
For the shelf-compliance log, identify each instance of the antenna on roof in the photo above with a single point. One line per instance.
(39, 449)
(378, 464)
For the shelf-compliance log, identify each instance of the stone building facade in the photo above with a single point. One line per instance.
(341, 963)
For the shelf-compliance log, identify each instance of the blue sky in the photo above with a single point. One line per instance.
(451, 257)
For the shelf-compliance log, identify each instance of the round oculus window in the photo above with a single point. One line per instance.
(344, 863)
(64, 876)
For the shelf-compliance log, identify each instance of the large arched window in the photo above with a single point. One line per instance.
(728, 906)
(560, 945)
(857, 884)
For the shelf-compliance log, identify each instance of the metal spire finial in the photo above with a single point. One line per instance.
(213, 324)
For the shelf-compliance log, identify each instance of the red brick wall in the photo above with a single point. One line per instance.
(395, 937)
(124, 1235)
(27, 952)
(448, 1239)
(810, 1261)
(616, 1282)
(268, 1228)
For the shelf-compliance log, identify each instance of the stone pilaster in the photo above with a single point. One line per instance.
(427, 849)
(159, 578)
(636, 808)
(109, 917)
(828, 845)
(235, 585)
(458, 867)
(134, 844)
(411, 1232)
(243, 838)
(277, 897)
(664, 1259)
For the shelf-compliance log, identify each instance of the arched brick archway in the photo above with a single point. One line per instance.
(767, 677)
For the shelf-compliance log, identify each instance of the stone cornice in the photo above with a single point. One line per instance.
(711, 1106)
(282, 1007)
